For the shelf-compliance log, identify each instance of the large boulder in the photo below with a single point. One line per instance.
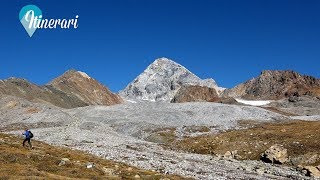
(312, 171)
(275, 154)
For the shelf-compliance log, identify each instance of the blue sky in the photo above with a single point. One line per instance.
(228, 40)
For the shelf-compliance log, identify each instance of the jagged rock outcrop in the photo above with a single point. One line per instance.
(85, 88)
(44, 94)
(194, 94)
(275, 154)
(276, 85)
(161, 81)
(312, 171)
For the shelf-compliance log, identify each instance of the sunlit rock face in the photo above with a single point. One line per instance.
(161, 81)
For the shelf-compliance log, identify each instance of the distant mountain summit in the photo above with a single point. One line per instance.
(84, 87)
(276, 85)
(42, 94)
(72, 89)
(161, 81)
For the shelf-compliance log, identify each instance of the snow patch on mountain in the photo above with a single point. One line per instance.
(253, 103)
(83, 74)
(161, 81)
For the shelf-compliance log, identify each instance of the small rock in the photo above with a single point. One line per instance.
(90, 165)
(313, 159)
(219, 156)
(237, 156)
(108, 171)
(283, 130)
(312, 171)
(260, 171)
(232, 155)
(137, 176)
(129, 169)
(64, 161)
(234, 152)
(228, 155)
(299, 167)
(275, 154)
(293, 99)
(247, 167)
(304, 171)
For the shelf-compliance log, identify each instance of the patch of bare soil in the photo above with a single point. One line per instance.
(300, 138)
(49, 162)
(32, 110)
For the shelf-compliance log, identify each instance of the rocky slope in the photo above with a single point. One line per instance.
(72, 89)
(85, 88)
(302, 105)
(194, 94)
(276, 85)
(45, 94)
(50, 162)
(161, 81)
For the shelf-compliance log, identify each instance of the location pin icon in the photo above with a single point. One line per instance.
(27, 17)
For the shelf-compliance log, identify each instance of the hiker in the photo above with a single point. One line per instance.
(28, 135)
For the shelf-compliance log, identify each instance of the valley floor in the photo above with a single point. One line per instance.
(185, 139)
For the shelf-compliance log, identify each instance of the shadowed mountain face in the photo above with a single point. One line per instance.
(73, 89)
(85, 88)
(276, 85)
(161, 81)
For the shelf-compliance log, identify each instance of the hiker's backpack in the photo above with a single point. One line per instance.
(30, 134)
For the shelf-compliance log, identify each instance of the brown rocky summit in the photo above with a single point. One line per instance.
(275, 84)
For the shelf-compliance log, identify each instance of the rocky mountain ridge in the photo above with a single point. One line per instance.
(73, 89)
(276, 84)
(161, 81)
(42, 94)
(85, 88)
